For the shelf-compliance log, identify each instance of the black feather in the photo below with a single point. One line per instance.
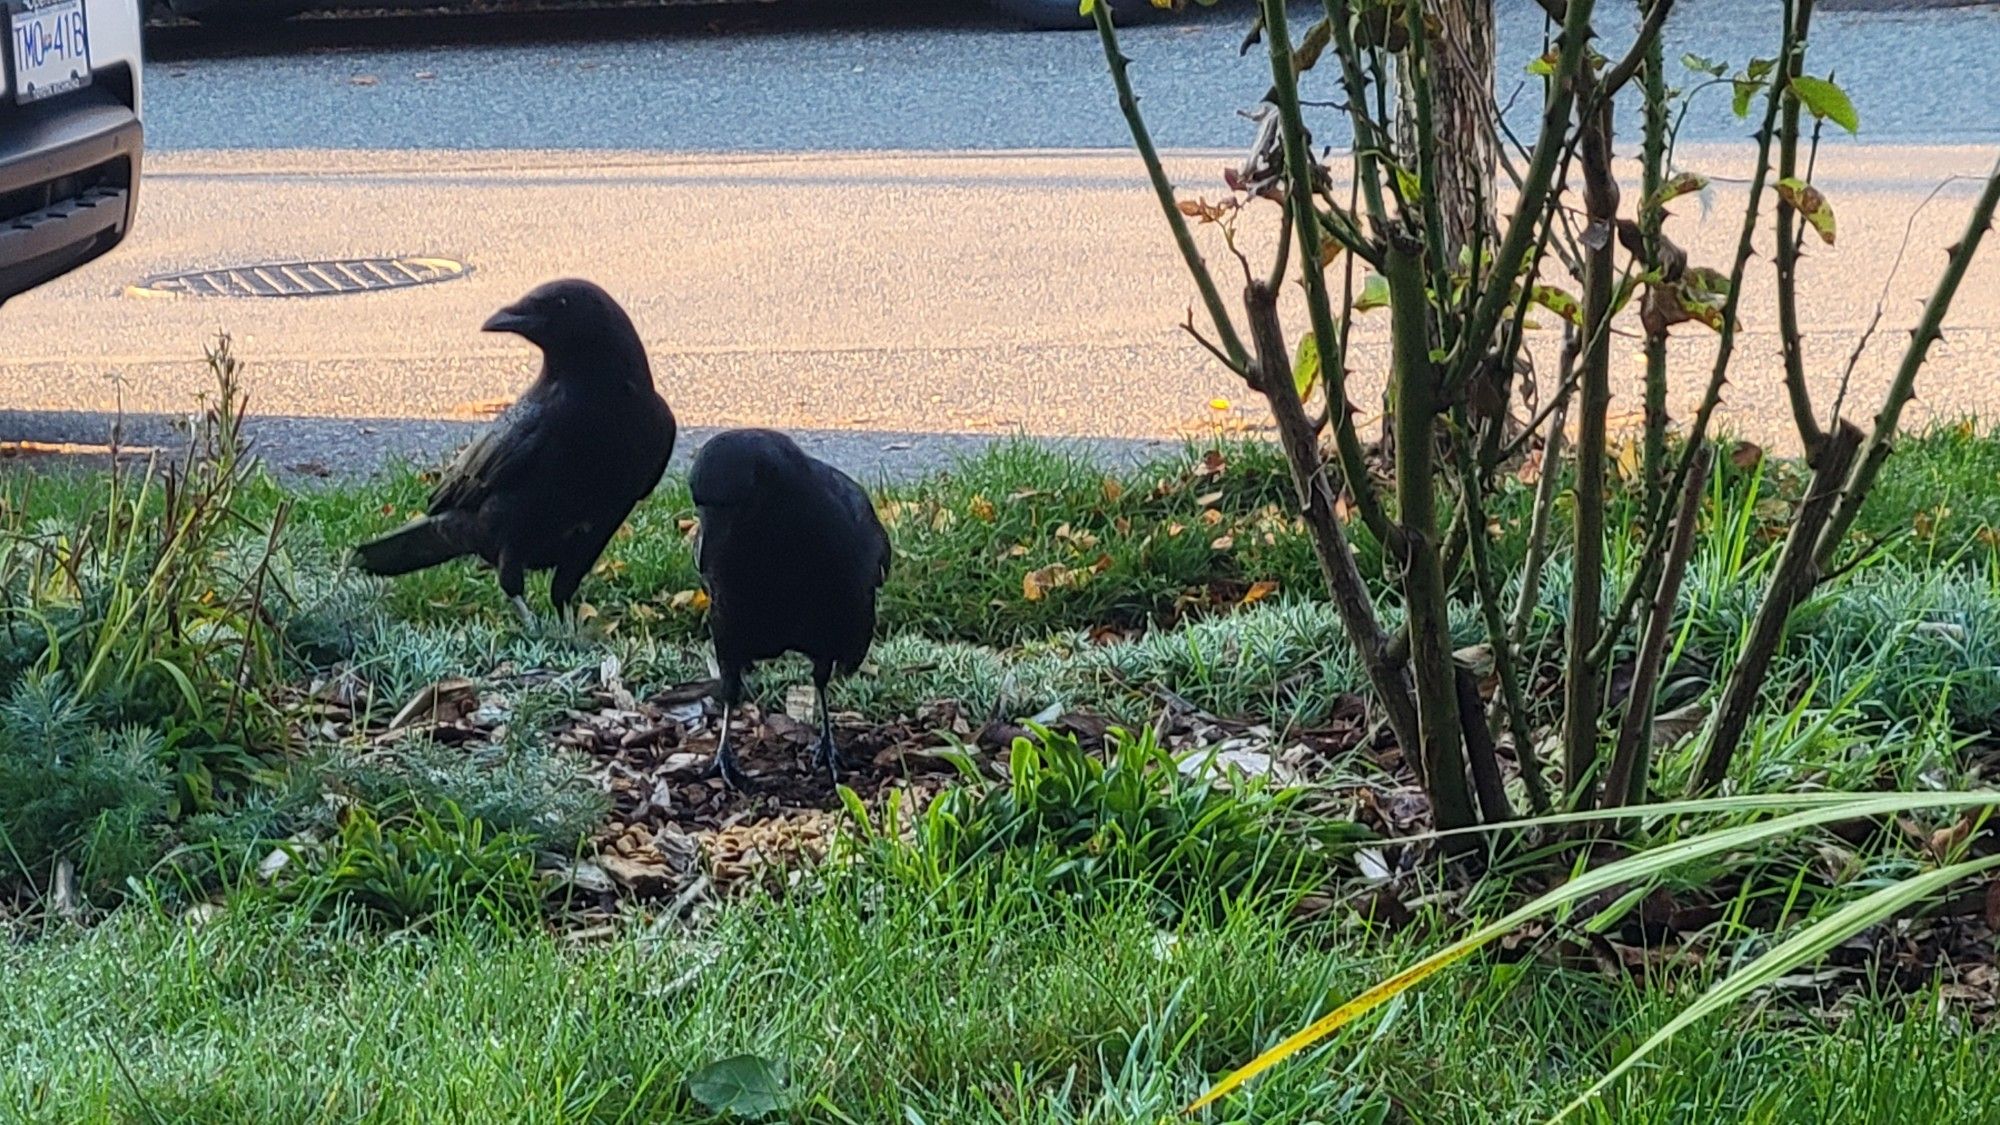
(790, 550)
(551, 481)
(792, 555)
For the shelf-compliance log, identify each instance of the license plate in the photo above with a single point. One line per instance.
(50, 47)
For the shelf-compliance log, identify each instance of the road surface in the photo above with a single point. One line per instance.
(901, 237)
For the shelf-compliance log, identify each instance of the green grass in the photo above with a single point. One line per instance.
(985, 998)
(995, 1004)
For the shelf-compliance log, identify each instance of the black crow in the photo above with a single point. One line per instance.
(551, 481)
(792, 555)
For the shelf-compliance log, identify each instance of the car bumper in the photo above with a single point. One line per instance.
(69, 178)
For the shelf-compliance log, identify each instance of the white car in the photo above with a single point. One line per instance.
(70, 134)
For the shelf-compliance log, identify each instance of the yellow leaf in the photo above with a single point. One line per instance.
(1925, 522)
(1202, 209)
(1174, 530)
(694, 601)
(1036, 584)
(1223, 543)
(1112, 490)
(1808, 201)
(1211, 517)
(585, 611)
(1326, 1025)
(1258, 591)
(1628, 455)
(1218, 404)
(1082, 540)
(981, 508)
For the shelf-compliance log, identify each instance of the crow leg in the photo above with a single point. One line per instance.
(571, 572)
(724, 764)
(825, 754)
(514, 584)
(521, 610)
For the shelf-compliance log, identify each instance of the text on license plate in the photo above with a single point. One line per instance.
(50, 47)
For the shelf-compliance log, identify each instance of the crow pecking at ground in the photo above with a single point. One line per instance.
(792, 555)
(551, 481)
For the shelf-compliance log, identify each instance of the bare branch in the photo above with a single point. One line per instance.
(1793, 578)
(1631, 762)
(1649, 35)
(1223, 357)
(1299, 163)
(1798, 14)
(1928, 331)
(1521, 228)
(1163, 189)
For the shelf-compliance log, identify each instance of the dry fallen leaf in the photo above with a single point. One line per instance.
(445, 701)
(801, 702)
(1678, 724)
(1112, 490)
(1258, 591)
(1034, 584)
(981, 509)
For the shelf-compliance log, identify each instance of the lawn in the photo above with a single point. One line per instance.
(239, 888)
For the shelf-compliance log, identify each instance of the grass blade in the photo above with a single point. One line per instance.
(1808, 944)
(1590, 882)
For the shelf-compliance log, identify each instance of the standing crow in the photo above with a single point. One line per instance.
(549, 483)
(792, 554)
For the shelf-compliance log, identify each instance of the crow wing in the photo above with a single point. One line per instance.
(870, 541)
(499, 460)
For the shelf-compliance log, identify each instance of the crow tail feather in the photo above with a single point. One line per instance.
(421, 543)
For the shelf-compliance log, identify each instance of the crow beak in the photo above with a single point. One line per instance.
(510, 319)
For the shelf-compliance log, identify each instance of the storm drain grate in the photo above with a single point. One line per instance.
(305, 279)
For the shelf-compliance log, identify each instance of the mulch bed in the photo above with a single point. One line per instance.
(676, 841)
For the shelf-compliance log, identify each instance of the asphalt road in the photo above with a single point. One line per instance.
(920, 75)
(904, 236)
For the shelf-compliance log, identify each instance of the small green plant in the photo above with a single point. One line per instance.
(158, 601)
(1132, 817)
(71, 789)
(418, 865)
